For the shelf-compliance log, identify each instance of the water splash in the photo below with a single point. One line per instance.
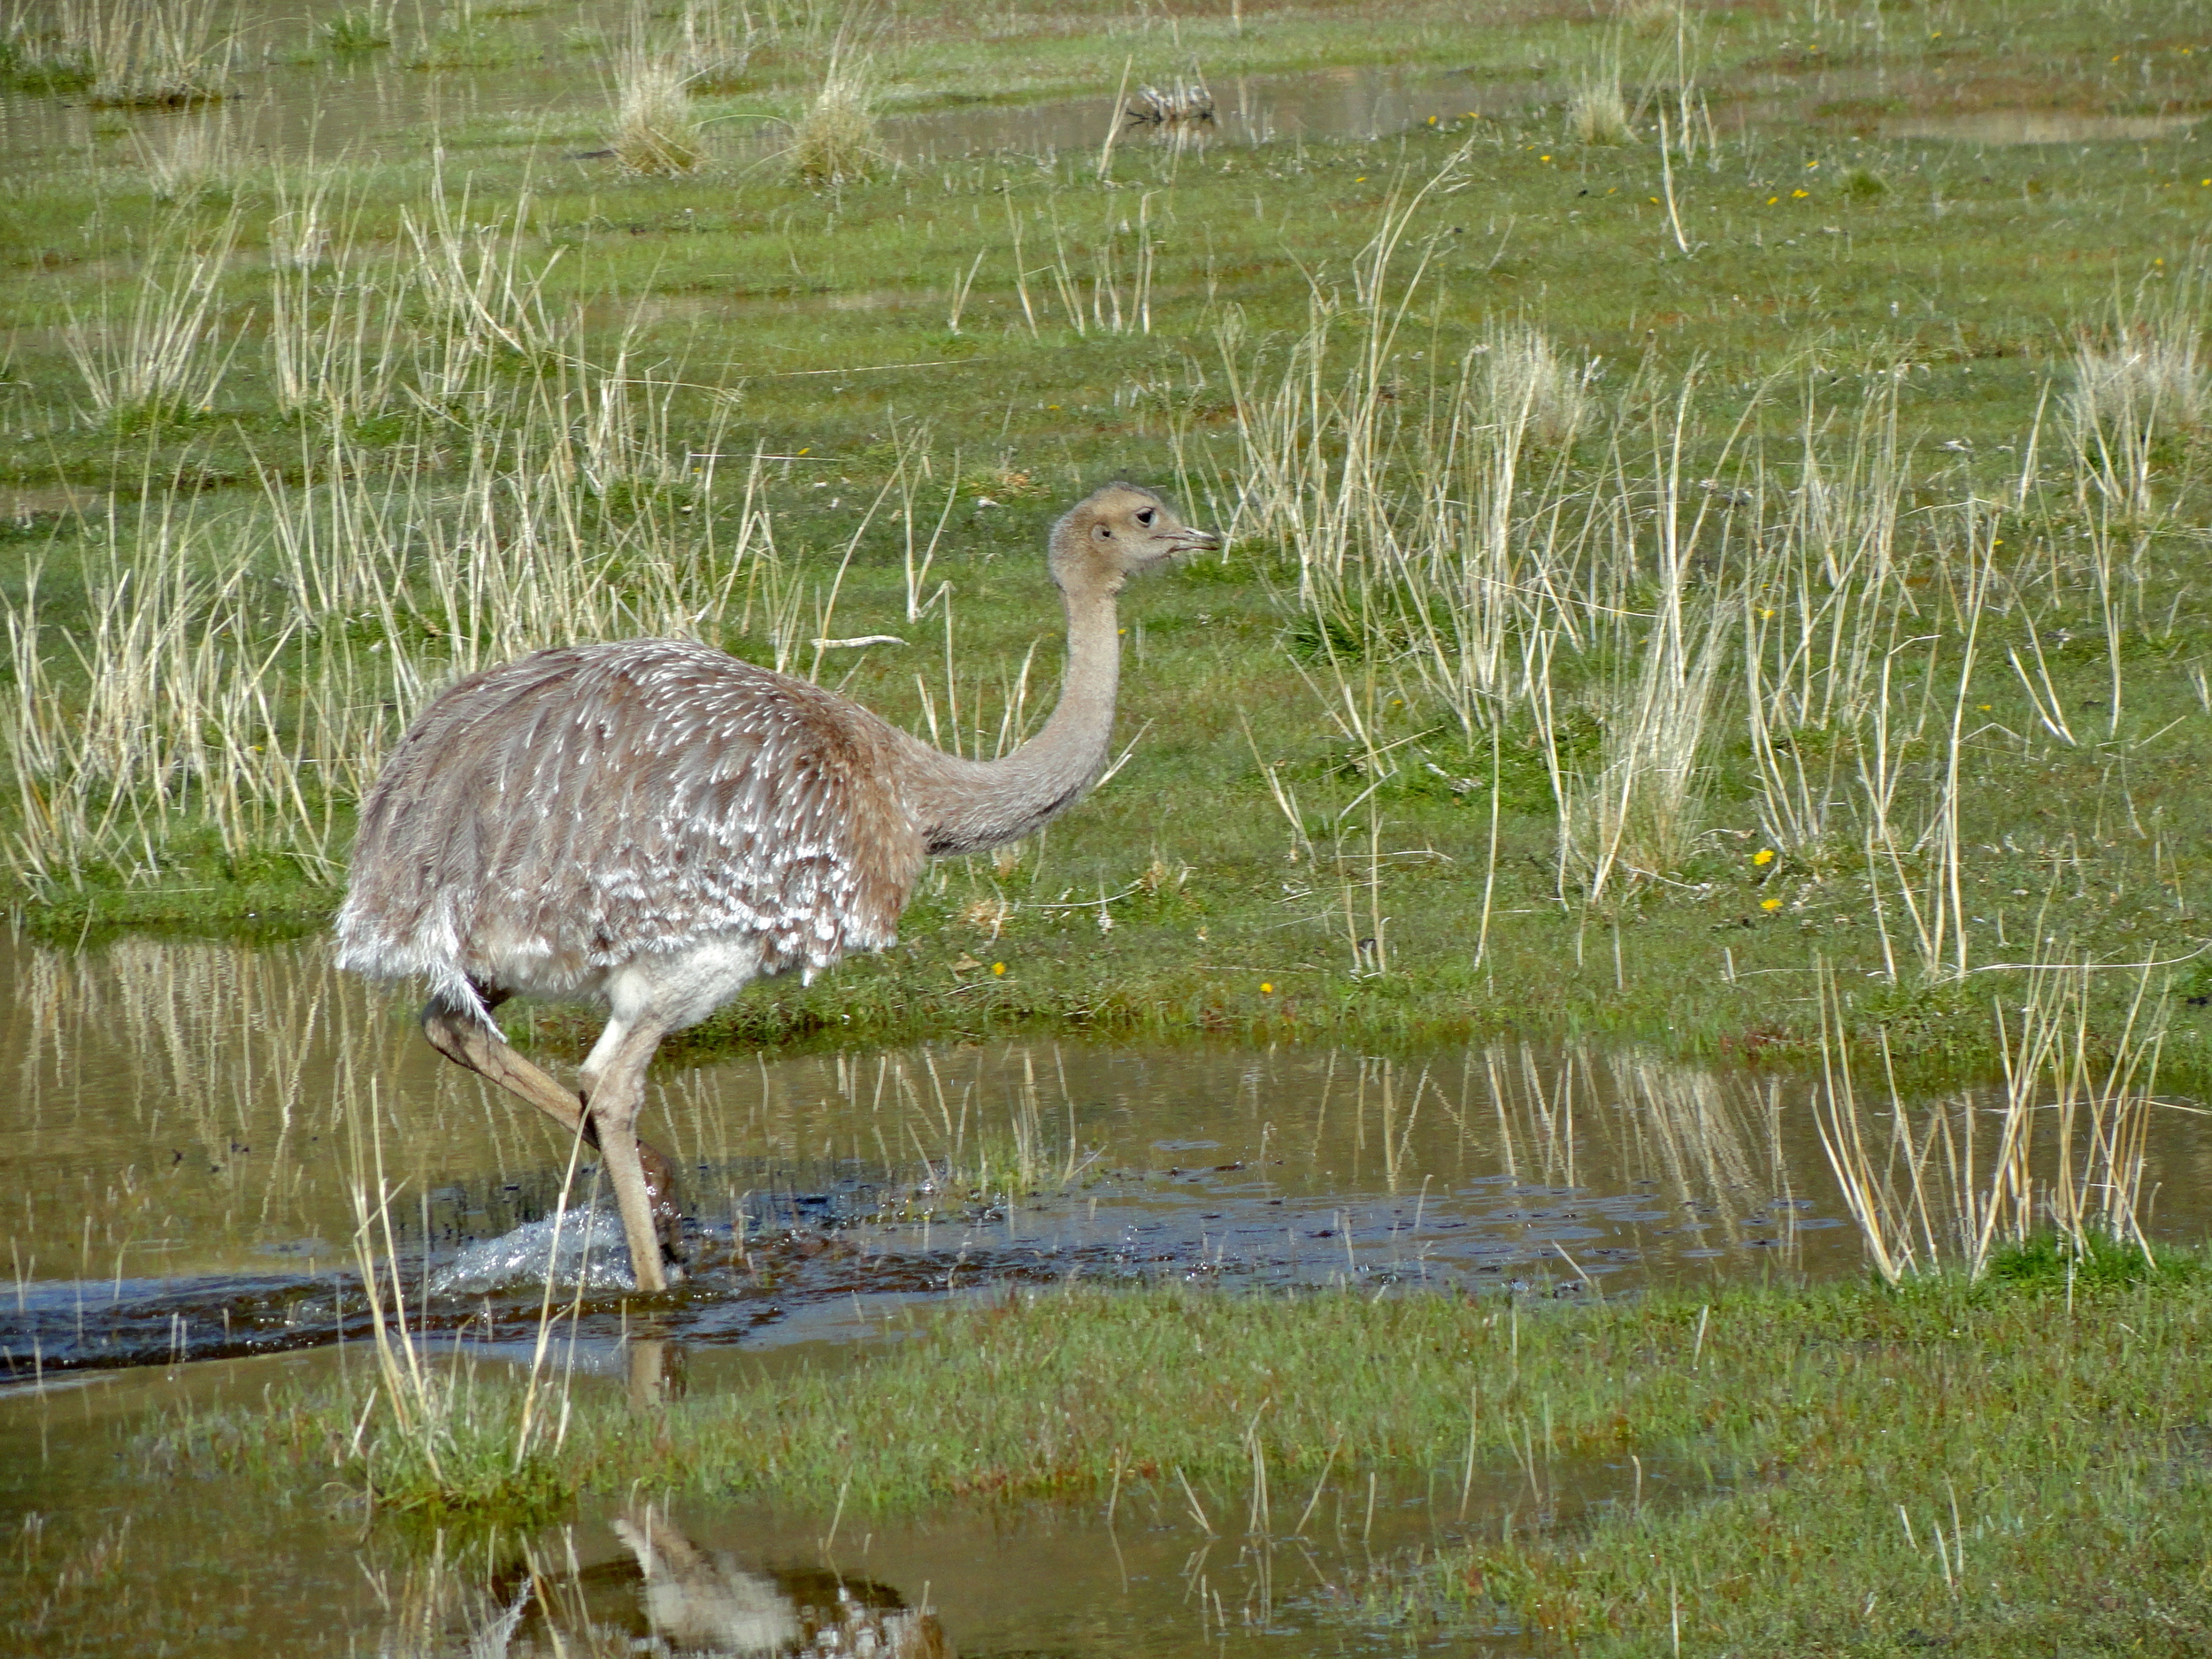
(583, 1249)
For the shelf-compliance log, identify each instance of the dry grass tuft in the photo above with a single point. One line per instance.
(2144, 373)
(834, 142)
(1597, 113)
(655, 132)
(146, 54)
(360, 28)
(1529, 383)
(158, 358)
(1930, 1187)
(1638, 815)
(2135, 382)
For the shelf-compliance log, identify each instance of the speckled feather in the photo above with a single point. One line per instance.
(564, 814)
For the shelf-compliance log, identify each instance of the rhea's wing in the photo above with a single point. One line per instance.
(569, 811)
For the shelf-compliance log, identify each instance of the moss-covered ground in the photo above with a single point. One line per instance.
(2006, 1467)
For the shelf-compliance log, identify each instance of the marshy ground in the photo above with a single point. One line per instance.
(1698, 718)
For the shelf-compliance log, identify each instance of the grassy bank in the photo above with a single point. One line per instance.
(2006, 1466)
(1663, 557)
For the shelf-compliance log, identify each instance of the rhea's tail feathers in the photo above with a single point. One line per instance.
(455, 993)
(365, 951)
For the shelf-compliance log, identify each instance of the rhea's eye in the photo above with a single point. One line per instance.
(1145, 517)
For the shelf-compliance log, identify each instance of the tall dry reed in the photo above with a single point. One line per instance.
(1931, 1184)
(834, 142)
(160, 356)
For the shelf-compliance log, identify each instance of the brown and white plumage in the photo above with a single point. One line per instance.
(656, 823)
(552, 819)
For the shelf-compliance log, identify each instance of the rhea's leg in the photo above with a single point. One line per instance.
(660, 1175)
(656, 1372)
(468, 1041)
(614, 1084)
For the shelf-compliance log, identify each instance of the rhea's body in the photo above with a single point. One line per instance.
(649, 818)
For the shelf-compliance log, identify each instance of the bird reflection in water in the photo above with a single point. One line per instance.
(703, 1601)
(690, 1601)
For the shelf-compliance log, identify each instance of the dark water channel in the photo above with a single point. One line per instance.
(196, 1127)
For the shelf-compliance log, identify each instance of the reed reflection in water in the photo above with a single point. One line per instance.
(196, 1119)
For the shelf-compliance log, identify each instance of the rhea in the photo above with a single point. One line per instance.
(655, 824)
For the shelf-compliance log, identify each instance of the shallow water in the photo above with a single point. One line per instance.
(201, 1130)
(200, 1127)
(2039, 127)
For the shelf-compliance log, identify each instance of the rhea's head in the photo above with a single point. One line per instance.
(1116, 532)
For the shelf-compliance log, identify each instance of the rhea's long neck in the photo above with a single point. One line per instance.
(966, 805)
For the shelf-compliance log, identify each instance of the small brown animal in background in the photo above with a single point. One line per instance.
(657, 823)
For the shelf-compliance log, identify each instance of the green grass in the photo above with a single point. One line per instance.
(466, 1473)
(2037, 1426)
(1831, 269)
